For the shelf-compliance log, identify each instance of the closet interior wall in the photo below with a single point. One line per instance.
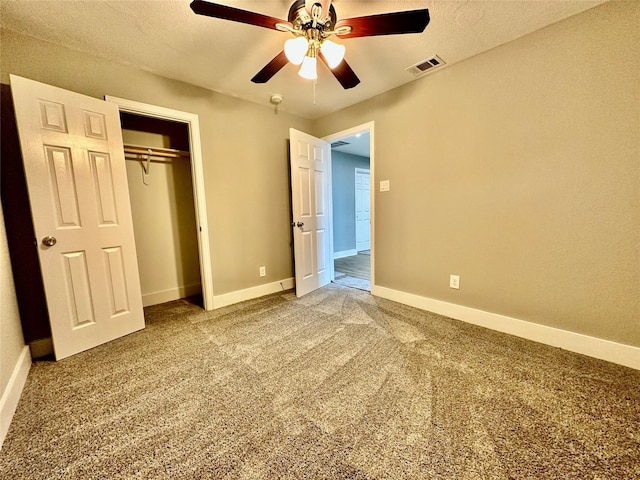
(162, 206)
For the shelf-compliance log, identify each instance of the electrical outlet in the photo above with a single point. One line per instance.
(263, 271)
(454, 281)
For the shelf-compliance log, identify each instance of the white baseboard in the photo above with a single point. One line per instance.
(11, 395)
(154, 298)
(253, 292)
(345, 253)
(619, 353)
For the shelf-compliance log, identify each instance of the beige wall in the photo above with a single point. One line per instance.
(519, 170)
(11, 340)
(244, 153)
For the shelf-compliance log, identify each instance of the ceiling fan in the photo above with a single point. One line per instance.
(312, 22)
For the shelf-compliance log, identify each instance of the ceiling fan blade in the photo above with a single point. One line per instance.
(270, 69)
(343, 73)
(410, 21)
(234, 14)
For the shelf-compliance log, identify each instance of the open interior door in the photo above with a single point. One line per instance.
(74, 165)
(310, 161)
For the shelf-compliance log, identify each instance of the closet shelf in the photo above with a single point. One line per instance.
(156, 151)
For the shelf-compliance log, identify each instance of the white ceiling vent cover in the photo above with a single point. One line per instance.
(425, 66)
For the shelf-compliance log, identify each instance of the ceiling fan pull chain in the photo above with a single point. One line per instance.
(315, 82)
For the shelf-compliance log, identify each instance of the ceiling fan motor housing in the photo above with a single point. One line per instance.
(302, 20)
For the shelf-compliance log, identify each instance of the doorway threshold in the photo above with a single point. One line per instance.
(352, 282)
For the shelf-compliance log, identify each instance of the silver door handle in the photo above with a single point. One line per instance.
(300, 224)
(49, 241)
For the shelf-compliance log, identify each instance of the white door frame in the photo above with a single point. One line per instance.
(197, 179)
(363, 128)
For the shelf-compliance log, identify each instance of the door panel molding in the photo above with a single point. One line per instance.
(58, 130)
(363, 215)
(311, 222)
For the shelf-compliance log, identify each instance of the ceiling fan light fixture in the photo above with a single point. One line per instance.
(309, 69)
(315, 21)
(333, 52)
(295, 49)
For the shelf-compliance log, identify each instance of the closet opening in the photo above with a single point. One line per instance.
(159, 177)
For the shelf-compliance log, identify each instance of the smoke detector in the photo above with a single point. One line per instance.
(276, 99)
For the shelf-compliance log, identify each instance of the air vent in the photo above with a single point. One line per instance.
(425, 66)
(339, 143)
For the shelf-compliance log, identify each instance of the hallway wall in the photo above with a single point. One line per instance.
(343, 167)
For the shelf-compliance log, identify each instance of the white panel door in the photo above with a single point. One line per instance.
(74, 165)
(310, 159)
(363, 210)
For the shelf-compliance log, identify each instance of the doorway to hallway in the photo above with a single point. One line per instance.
(351, 169)
(354, 270)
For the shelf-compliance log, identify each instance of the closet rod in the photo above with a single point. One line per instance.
(156, 151)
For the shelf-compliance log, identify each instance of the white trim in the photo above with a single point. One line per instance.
(332, 266)
(162, 296)
(345, 253)
(619, 353)
(197, 174)
(362, 128)
(11, 395)
(253, 292)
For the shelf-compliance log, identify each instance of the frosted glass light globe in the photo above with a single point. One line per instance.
(333, 52)
(308, 69)
(295, 49)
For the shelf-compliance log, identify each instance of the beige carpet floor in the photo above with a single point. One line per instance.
(336, 385)
(352, 282)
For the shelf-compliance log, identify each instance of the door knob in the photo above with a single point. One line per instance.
(300, 224)
(49, 241)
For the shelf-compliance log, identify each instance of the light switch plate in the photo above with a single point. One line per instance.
(384, 185)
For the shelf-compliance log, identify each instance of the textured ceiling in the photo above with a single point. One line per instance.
(355, 145)
(167, 38)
